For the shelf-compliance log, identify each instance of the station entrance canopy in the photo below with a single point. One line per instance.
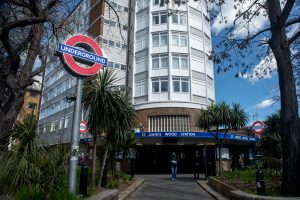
(195, 136)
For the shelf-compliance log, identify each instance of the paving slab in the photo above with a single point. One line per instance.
(162, 187)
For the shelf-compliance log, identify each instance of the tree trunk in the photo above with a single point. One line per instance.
(103, 166)
(94, 161)
(289, 116)
(220, 158)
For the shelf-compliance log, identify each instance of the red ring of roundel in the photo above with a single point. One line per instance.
(83, 122)
(258, 132)
(72, 41)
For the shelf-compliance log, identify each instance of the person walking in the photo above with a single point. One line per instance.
(196, 164)
(174, 161)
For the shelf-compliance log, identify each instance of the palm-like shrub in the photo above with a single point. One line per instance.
(109, 109)
(221, 117)
(26, 165)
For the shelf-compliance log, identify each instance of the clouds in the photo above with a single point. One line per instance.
(263, 70)
(241, 29)
(265, 103)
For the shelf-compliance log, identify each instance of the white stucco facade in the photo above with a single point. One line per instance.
(170, 57)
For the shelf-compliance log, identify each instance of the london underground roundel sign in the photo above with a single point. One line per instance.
(258, 127)
(82, 49)
(83, 127)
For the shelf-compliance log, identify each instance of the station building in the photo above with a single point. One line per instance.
(172, 80)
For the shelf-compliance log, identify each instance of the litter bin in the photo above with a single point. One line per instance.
(260, 182)
(83, 180)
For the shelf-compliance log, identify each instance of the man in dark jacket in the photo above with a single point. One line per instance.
(174, 160)
(196, 164)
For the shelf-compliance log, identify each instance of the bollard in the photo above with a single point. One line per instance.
(260, 182)
(83, 180)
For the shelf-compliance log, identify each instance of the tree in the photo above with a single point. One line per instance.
(109, 109)
(221, 118)
(245, 41)
(24, 26)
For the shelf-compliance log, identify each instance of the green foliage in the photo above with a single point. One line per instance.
(273, 165)
(63, 195)
(27, 165)
(122, 175)
(30, 193)
(271, 140)
(112, 184)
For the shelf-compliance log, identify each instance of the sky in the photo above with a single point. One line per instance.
(255, 95)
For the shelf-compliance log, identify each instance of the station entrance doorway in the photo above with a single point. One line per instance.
(153, 159)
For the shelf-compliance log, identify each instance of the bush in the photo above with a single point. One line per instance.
(62, 195)
(27, 193)
(112, 184)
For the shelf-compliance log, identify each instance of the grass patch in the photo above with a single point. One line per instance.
(245, 180)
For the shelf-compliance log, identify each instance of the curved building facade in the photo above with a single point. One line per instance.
(171, 76)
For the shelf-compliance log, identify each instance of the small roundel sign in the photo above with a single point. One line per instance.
(258, 127)
(83, 128)
(81, 49)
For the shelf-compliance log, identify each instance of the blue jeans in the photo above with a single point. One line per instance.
(174, 171)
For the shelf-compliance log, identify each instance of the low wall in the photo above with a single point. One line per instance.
(221, 187)
(105, 195)
(235, 194)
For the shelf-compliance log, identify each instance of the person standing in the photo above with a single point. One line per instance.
(196, 164)
(132, 156)
(174, 161)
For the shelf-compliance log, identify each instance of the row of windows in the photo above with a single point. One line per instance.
(118, 7)
(162, 84)
(162, 61)
(67, 84)
(162, 18)
(161, 39)
(63, 122)
(50, 80)
(113, 43)
(141, 4)
(115, 24)
(116, 65)
(169, 123)
(56, 107)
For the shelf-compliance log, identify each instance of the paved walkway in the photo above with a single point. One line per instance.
(163, 188)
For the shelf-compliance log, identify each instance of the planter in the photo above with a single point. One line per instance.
(235, 194)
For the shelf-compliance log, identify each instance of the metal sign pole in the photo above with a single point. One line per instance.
(75, 138)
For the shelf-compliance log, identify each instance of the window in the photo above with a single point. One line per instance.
(175, 18)
(67, 121)
(175, 39)
(163, 18)
(155, 2)
(164, 39)
(61, 123)
(175, 61)
(176, 84)
(169, 123)
(160, 39)
(141, 43)
(180, 84)
(182, 19)
(160, 18)
(155, 19)
(180, 61)
(155, 85)
(141, 88)
(160, 85)
(160, 61)
(32, 105)
(155, 62)
(155, 40)
(179, 18)
(179, 39)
